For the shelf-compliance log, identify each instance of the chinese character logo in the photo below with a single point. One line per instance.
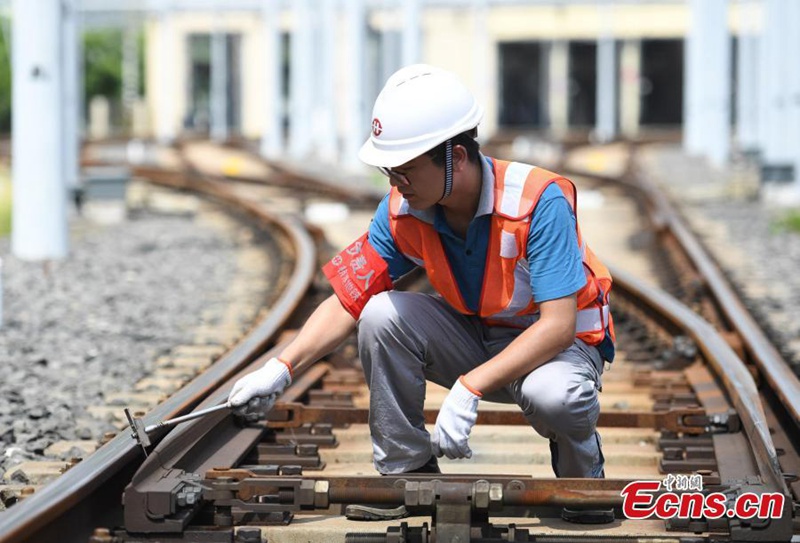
(377, 128)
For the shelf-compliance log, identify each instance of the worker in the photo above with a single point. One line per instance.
(520, 314)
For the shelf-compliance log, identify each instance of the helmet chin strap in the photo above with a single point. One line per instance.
(448, 169)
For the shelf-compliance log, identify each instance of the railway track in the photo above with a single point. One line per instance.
(689, 398)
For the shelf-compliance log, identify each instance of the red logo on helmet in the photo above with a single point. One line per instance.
(377, 128)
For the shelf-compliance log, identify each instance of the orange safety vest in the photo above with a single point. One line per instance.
(506, 298)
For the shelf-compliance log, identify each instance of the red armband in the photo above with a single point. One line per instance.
(356, 274)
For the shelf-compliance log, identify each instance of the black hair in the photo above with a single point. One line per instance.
(466, 139)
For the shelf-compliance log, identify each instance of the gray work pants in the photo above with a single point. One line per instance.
(405, 338)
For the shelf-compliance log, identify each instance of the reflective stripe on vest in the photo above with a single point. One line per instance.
(506, 297)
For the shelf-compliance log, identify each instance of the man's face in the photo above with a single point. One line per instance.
(420, 182)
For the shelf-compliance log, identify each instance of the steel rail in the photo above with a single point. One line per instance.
(51, 505)
(188, 453)
(765, 356)
(736, 378)
(350, 187)
(737, 381)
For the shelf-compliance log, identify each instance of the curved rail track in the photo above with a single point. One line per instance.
(689, 396)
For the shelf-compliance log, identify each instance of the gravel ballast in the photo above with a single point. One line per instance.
(78, 329)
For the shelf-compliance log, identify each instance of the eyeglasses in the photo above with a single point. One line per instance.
(399, 178)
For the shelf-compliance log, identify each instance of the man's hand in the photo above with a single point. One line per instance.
(257, 391)
(455, 421)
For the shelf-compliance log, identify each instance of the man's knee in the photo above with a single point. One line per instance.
(547, 400)
(562, 406)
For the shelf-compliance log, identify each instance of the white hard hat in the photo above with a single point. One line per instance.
(419, 107)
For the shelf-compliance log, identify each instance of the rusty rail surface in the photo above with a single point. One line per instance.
(200, 460)
(207, 480)
(67, 502)
(778, 386)
(761, 351)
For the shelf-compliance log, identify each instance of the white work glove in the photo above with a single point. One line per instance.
(256, 392)
(455, 421)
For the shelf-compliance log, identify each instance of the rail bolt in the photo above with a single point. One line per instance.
(427, 490)
(306, 493)
(321, 498)
(412, 493)
(495, 496)
(480, 494)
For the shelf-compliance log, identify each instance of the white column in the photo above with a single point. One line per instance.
(607, 76)
(219, 80)
(693, 52)
(165, 118)
(391, 43)
(301, 72)
(747, 84)
(630, 88)
(481, 67)
(324, 123)
(39, 227)
(70, 109)
(272, 136)
(792, 66)
(716, 104)
(81, 75)
(356, 119)
(774, 63)
(558, 69)
(412, 32)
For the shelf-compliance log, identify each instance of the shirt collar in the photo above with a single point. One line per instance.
(485, 204)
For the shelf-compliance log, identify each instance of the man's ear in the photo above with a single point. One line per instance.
(460, 158)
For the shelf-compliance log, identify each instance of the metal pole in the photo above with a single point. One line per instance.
(607, 76)
(81, 75)
(747, 86)
(481, 67)
(412, 35)
(356, 127)
(559, 88)
(693, 80)
(774, 103)
(716, 88)
(630, 88)
(219, 80)
(325, 121)
(391, 43)
(70, 109)
(39, 223)
(272, 136)
(792, 67)
(302, 79)
(166, 112)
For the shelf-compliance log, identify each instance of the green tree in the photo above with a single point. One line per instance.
(102, 63)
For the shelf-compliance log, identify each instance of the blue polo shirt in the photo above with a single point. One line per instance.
(554, 259)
